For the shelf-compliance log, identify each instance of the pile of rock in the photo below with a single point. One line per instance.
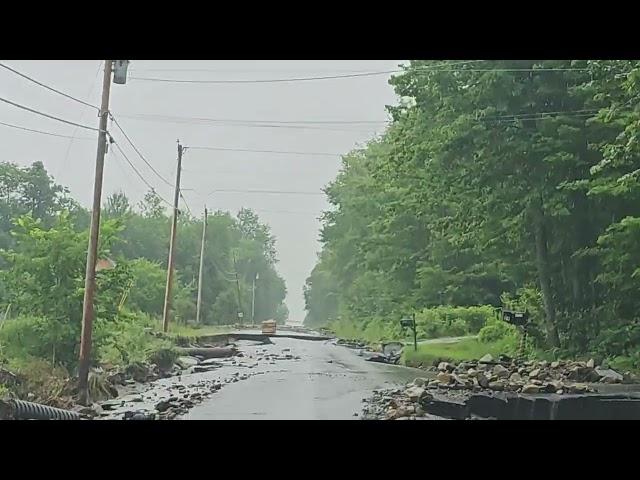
(173, 406)
(397, 404)
(416, 403)
(523, 377)
(272, 357)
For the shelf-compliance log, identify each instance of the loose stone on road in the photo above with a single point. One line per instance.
(329, 382)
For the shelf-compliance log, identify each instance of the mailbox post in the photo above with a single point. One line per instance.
(520, 320)
(411, 323)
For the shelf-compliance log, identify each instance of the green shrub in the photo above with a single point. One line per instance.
(625, 363)
(40, 337)
(445, 321)
(128, 340)
(434, 322)
(496, 331)
(147, 286)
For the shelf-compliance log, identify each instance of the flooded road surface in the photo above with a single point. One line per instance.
(327, 382)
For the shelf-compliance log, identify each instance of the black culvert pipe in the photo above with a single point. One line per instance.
(21, 410)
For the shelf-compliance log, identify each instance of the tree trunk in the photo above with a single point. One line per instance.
(544, 276)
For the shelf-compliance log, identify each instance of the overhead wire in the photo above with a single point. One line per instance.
(248, 150)
(115, 121)
(48, 87)
(215, 70)
(75, 130)
(152, 116)
(351, 75)
(42, 131)
(52, 117)
(121, 166)
(283, 192)
(77, 125)
(539, 114)
(184, 200)
(195, 121)
(144, 180)
(291, 212)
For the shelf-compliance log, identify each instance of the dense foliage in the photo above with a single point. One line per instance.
(497, 181)
(43, 248)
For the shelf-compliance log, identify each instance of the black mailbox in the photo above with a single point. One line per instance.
(411, 323)
(519, 319)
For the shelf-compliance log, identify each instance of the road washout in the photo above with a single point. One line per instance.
(330, 382)
(511, 389)
(288, 378)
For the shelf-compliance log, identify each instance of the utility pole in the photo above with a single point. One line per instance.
(92, 253)
(172, 241)
(253, 301)
(235, 268)
(204, 236)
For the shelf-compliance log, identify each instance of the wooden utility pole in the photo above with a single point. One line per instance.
(235, 268)
(172, 241)
(92, 253)
(204, 237)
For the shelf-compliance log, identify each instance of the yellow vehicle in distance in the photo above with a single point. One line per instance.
(269, 327)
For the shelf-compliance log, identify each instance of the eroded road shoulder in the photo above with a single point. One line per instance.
(290, 379)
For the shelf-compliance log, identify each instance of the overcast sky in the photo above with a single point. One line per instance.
(142, 108)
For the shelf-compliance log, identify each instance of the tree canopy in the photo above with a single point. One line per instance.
(496, 181)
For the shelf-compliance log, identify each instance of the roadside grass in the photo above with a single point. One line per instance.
(373, 332)
(465, 349)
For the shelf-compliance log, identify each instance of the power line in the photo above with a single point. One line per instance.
(292, 123)
(547, 116)
(278, 192)
(184, 200)
(288, 212)
(126, 175)
(195, 121)
(255, 70)
(353, 75)
(536, 114)
(139, 153)
(42, 131)
(75, 130)
(144, 180)
(48, 87)
(241, 121)
(37, 112)
(284, 152)
(271, 80)
(247, 70)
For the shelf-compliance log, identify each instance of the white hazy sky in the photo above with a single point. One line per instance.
(293, 218)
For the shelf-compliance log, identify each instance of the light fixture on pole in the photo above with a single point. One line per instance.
(120, 71)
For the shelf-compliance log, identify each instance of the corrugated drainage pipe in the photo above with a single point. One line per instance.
(21, 410)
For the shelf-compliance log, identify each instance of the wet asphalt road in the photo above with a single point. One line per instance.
(328, 382)
(290, 379)
(308, 380)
